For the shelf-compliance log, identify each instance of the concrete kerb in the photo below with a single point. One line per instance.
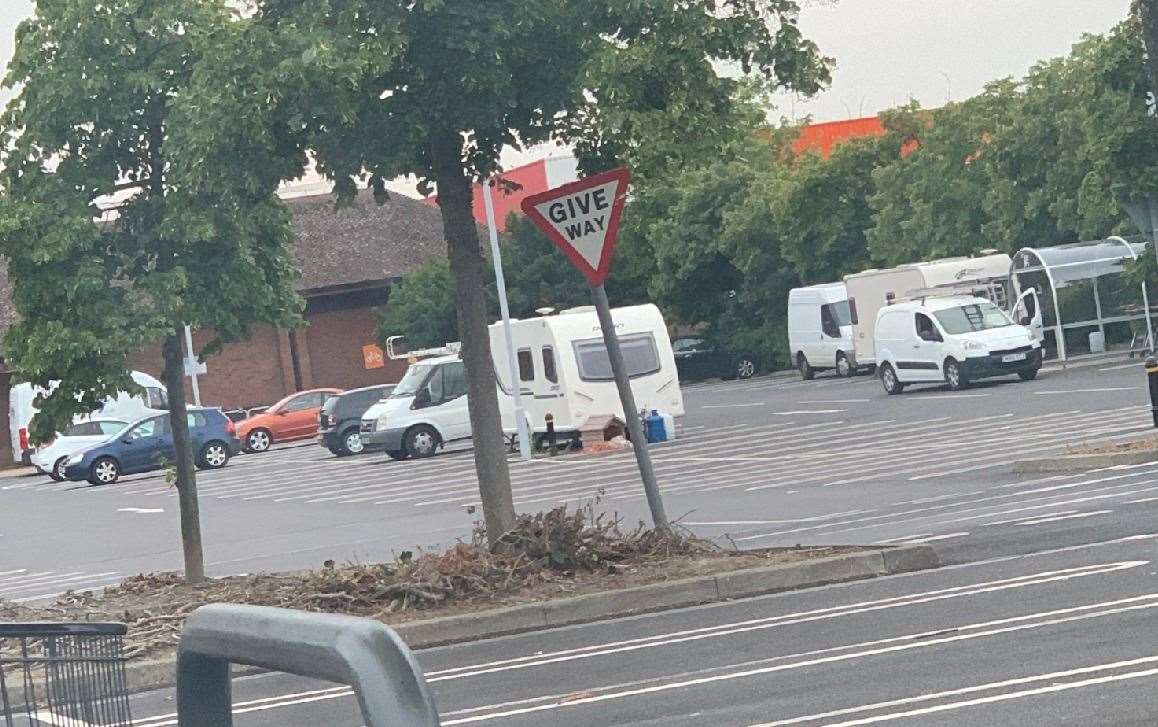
(1076, 463)
(161, 673)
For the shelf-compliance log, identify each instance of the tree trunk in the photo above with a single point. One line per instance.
(1148, 14)
(186, 472)
(467, 265)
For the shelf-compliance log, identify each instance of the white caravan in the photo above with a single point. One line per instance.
(820, 329)
(563, 371)
(872, 290)
(153, 400)
(953, 340)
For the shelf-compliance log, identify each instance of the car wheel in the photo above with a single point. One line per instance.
(259, 440)
(889, 380)
(397, 456)
(351, 443)
(745, 367)
(844, 367)
(214, 456)
(57, 471)
(805, 368)
(105, 471)
(1028, 374)
(422, 441)
(954, 376)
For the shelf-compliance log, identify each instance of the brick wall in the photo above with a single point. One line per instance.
(333, 346)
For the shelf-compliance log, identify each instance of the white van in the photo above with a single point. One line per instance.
(953, 340)
(563, 370)
(152, 400)
(820, 330)
(871, 290)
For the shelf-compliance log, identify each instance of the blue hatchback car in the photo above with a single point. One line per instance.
(147, 444)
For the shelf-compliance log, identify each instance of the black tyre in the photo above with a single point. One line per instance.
(805, 368)
(1028, 374)
(398, 456)
(259, 440)
(349, 443)
(844, 367)
(955, 376)
(889, 380)
(57, 471)
(745, 367)
(105, 471)
(213, 456)
(422, 441)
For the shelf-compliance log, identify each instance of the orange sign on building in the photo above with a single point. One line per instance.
(373, 357)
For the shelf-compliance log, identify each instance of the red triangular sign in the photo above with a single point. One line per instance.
(582, 219)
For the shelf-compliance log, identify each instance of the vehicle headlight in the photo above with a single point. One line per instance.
(76, 458)
(973, 346)
(380, 422)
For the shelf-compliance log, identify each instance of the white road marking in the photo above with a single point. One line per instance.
(1088, 391)
(975, 689)
(1068, 516)
(946, 536)
(812, 411)
(838, 401)
(733, 406)
(141, 510)
(938, 395)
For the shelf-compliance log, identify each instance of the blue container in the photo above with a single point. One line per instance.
(654, 427)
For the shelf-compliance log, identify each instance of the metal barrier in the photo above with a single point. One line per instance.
(364, 654)
(64, 674)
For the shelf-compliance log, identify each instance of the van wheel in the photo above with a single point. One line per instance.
(805, 368)
(844, 367)
(889, 380)
(422, 441)
(954, 376)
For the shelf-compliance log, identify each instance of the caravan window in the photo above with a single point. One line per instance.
(640, 357)
(549, 365)
(526, 365)
(157, 398)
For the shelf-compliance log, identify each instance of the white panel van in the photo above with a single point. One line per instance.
(820, 330)
(953, 340)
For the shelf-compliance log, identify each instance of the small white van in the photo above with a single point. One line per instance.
(953, 340)
(820, 330)
(21, 409)
(563, 371)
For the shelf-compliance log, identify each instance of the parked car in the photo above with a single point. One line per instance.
(147, 444)
(953, 340)
(697, 359)
(340, 419)
(49, 459)
(294, 417)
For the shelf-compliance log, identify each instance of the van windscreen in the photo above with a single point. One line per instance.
(412, 381)
(640, 357)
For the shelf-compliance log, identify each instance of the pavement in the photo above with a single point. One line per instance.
(1041, 617)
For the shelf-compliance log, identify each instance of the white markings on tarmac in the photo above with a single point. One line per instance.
(1088, 391)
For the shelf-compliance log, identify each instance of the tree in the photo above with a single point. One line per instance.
(88, 137)
(437, 88)
(421, 308)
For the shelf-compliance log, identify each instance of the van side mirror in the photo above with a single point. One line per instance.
(422, 399)
(1024, 320)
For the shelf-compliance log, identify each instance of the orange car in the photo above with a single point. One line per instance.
(294, 417)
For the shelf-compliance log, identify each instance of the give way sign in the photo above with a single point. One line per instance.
(582, 219)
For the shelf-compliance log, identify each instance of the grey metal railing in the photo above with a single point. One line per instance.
(364, 654)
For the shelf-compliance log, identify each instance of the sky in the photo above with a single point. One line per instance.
(886, 51)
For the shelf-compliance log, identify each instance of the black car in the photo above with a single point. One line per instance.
(341, 417)
(697, 359)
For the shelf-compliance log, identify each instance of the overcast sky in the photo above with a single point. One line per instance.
(890, 50)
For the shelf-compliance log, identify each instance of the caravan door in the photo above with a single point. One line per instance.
(1027, 312)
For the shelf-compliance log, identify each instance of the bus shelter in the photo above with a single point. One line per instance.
(1087, 304)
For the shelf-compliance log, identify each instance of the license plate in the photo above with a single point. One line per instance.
(1011, 357)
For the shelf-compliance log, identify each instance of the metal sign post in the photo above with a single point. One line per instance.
(512, 360)
(582, 219)
(192, 366)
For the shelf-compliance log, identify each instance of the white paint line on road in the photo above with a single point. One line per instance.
(141, 510)
(1119, 367)
(811, 411)
(903, 538)
(908, 642)
(1139, 501)
(1068, 516)
(838, 401)
(946, 536)
(733, 406)
(975, 689)
(1088, 391)
(939, 395)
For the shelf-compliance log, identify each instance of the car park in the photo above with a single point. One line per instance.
(953, 340)
(340, 419)
(50, 459)
(698, 359)
(147, 445)
(820, 330)
(294, 417)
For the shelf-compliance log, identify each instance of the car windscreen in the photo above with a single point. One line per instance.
(980, 316)
(842, 313)
(412, 381)
(640, 357)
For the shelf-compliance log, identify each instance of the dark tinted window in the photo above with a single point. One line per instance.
(549, 365)
(686, 344)
(83, 429)
(198, 419)
(454, 384)
(303, 402)
(360, 401)
(526, 365)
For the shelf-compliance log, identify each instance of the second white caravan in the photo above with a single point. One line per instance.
(820, 330)
(563, 370)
